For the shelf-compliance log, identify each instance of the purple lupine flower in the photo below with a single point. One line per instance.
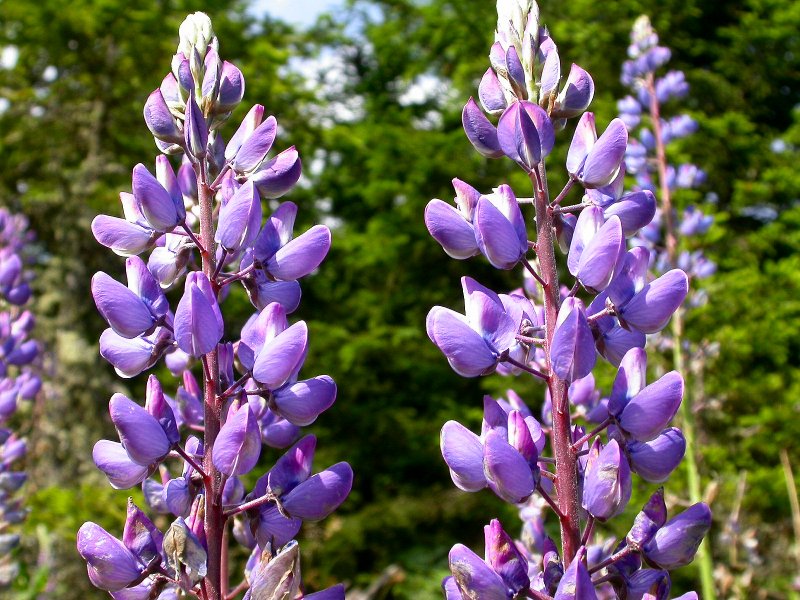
(500, 229)
(474, 343)
(110, 564)
(607, 485)
(453, 227)
(198, 320)
(572, 354)
(675, 544)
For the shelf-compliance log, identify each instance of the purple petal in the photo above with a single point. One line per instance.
(466, 351)
(576, 95)
(504, 558)
(631, 278)
(197, 325)
(463, 452)
(496, 236)
(474, 578)
(630, 380)
(488, 315)
(655, 460)
(480, 132)
(125, 312)
(321, 494)
(238, 445)
(237, 217)
(646, 415)
(142, 283)
(129, 356)
(112, 459)
(281, 356)
(635, 210)
(273, 528)
(572, 354)
(301, 255)
(589, 223)
(607, 484)
(576, 583)
(582, 141)
(160, 120)
(279, 175)
(122, 237)
(256, 146)
(675, 544)
(110, 564)
(290, 470)
(140, 433)
(302, 402)
(518, 138)
(615, 343)
(651, 309)
(506, 470)
(155, 202)
(231, 87)
(246, 128)
(490, 93)
(604, 159)
(599, 257)
(448, 227)
(195, 129)
(335, 592)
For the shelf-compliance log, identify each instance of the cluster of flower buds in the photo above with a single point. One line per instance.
(18, 379)
(204, 229)
(645, 157)
(582, 472)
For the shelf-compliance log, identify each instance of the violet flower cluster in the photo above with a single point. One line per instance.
(19, 381)
(645, 157)
(580, 458)
(202, 228)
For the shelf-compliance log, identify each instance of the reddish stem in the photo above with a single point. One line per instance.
(214, 523)
(566, 482)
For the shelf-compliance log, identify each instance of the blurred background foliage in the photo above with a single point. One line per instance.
(371, 94)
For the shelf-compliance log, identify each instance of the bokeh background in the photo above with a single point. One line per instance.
(371, 93)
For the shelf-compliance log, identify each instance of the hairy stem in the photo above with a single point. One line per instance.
(214, 519)
(704, 563)
(566, 482)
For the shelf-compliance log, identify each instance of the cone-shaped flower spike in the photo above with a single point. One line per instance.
(111, 566)
(453, 227)
(198, 320)
(473, 577)
(675, 544)
(500, 228)
(474, 343)
(576, 583)
(654, 461)
(607, 486)
(572, 355)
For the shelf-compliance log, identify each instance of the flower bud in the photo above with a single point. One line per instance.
(607, 485)
(198, 320)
